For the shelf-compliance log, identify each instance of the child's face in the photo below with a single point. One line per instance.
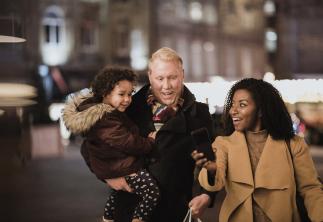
(120, 96)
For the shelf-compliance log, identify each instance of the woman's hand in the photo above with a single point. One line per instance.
(210, 166)
(199, 158)
(201, 161)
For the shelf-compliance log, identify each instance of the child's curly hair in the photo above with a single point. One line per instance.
(108, 77)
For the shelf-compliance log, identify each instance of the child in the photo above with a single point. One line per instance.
(113, 147)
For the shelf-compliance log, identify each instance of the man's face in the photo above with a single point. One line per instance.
(166, 80)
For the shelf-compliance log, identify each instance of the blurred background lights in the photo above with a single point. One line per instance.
(43, 70)
(210, 14)
(269, 8)
(55, 43)
(292, 91)
(17, 90)
(271, 35)
(10, 39)
(55, 112)
(269, 77)
(196, 11)
(271, 40)
(208, 46)
(138, 53)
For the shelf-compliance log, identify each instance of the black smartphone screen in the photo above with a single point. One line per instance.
(202, 143)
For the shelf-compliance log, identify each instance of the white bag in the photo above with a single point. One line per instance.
(189, 218)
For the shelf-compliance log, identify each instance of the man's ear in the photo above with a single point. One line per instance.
(148, 74)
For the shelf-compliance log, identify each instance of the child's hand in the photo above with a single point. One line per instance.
(119, 184)
(152, 134)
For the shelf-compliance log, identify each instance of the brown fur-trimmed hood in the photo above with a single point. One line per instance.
(81, 121)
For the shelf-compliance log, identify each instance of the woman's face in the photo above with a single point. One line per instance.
(244, 113)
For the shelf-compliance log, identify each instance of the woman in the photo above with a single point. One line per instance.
(253, 162)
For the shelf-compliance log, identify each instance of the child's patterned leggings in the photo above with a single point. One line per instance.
(144, 186)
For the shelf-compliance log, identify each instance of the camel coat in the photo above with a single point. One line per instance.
(272, 187)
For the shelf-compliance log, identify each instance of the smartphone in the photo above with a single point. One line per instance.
(202, 143)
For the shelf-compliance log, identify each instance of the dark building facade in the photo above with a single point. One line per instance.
(68, 41)
(300, 45)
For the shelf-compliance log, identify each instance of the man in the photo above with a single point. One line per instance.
(167, 104)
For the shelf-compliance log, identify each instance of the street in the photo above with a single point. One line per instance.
(62, 189)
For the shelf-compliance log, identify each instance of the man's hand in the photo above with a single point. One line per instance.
(119, 184)
(198, 205)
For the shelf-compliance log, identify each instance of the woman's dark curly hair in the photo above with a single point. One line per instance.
(107, 78)
(275, 117)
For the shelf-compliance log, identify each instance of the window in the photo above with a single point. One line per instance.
(122, 38)
(55, 41)
(89, 36)
(53, 21)
(89, 26)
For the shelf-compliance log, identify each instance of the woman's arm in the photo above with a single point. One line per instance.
(218, 168)
(308, 185)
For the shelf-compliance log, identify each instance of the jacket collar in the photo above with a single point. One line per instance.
(272, 166)
(239, 162)
(176, 124)
(79, 119)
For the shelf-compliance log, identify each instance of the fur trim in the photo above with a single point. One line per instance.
(80, 122)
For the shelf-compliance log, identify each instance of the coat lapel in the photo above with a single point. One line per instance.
(273, 166)
(176, 124)
(239, 162)
(240, 179)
